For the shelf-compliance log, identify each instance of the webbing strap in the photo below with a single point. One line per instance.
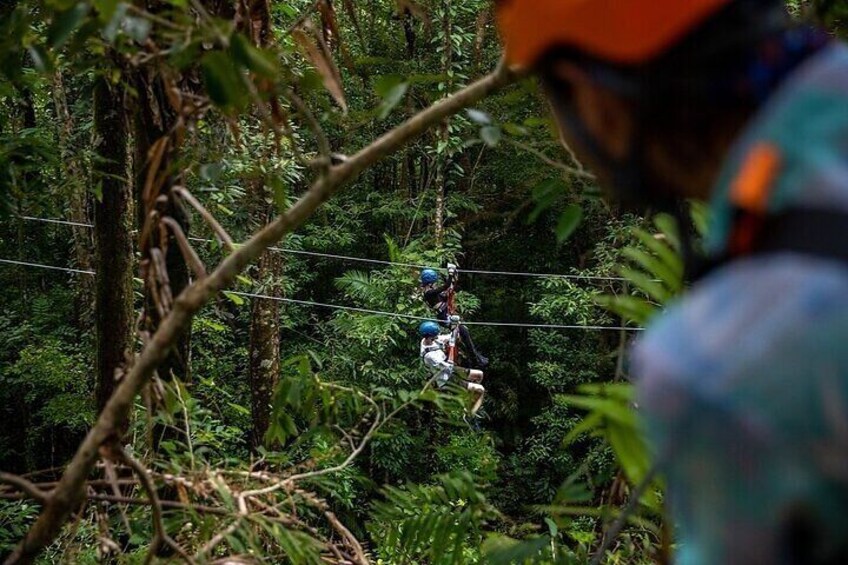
(809, 231)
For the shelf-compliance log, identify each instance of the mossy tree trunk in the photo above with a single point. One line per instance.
(113, 244)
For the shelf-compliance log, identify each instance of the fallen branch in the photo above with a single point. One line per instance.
(25, 486)
(70, 491)
(160, 535)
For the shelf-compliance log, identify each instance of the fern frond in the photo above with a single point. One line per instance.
(435, 522)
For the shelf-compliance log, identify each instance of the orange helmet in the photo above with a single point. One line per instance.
(619, 31)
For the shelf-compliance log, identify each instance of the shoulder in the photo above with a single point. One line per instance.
(746, 318)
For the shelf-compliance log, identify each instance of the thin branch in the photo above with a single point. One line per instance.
(70, 491)
(154, 18)
(359, 553)
(616, 527)
(169, 504)
(571, 171)
(25, 486)
(112, 479)
(217, 539)
(324, 148)
(161, 535)
(207, 217)
(302, 18)
(187, 250)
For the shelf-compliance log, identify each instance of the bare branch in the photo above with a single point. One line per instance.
(359, 553)
(160, 536)
(217, 539)
(187, 250)
(571, 171)
(70, 491)
(25, 486)
(112, 478)
(324, 148)
(207, 217)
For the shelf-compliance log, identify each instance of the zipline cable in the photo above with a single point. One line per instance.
(51, 267)
(369, 261)
(355, 308)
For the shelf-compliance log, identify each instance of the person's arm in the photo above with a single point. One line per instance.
(437, 361)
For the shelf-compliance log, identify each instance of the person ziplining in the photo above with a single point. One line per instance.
(438, 352)
(441, 300)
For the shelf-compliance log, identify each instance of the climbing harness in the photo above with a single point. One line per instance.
(454, 339)
(451, 292)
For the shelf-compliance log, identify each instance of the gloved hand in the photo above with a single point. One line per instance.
(452, 269)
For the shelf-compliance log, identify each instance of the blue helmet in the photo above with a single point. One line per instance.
(429, 276)
(428, 329)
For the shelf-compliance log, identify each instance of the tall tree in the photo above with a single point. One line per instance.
(113, 245)
(79, 207)
(264, 365)
(264, 331)
(442, 151)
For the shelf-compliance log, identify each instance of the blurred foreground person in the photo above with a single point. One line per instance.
(743, 382)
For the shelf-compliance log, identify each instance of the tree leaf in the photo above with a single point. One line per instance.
(544, 195)
(65, 24)
(491, 135)
(137, 28)
(251, 58)
(386, 83)
(106, 9)
(113, 25)
(315, 50)
(478, 117)
(224, 82)
(514, 129)
(392, 99)
(235, 298)
(568, 222)
(350, 9)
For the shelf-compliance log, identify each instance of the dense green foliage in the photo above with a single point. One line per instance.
(560, 447)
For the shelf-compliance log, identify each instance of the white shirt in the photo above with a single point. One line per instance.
(436, 359)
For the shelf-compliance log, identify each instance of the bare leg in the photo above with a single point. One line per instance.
(476, 389)
(477, 393)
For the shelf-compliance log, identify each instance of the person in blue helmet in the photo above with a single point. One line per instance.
(436, 298)
(434, 354)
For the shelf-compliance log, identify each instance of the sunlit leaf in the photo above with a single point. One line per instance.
(392, 99)
(235, 298)
(569, 220)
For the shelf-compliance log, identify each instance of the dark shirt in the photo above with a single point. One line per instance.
(437, 299)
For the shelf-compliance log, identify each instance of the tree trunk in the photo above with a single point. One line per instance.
(265, 314)
(443, 156)
(79, 207)
(114, 252)
(265, 344)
